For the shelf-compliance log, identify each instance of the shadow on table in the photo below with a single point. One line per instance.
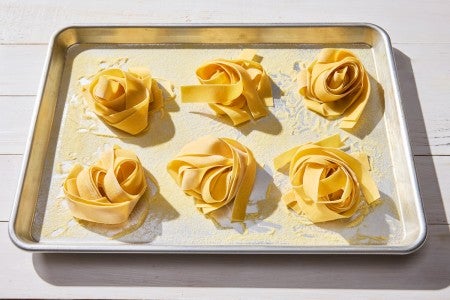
(429, 268)
(424, 165)
(422, 270)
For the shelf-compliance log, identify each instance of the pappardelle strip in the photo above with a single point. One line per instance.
(326, 182)
(239, 89)
(216, 172)
(123, 99)
(107, 191)
(335, 84)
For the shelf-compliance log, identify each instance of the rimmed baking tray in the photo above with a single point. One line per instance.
(59, 137)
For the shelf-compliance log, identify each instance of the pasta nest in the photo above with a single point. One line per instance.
(326, 182)
(335, 84)
(239, 89)
(123, 99)
(107, 191)
(216, 172)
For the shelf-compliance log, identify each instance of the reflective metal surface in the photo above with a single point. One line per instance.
(48, 115)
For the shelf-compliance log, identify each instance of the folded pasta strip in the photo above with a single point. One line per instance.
(326, 182)
(335, 84)
(107, 191)
(123, 99)
(239, 88)
(216, 172)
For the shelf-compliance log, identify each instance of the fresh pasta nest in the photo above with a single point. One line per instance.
(239, 89)
(326, 182)
(123, 99)
(107, 191)
(216, 172)
(335, 84)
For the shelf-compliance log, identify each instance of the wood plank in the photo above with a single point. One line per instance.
(432, 173)
(424, 74)
(22, 68)
(422, 90)
(9, 174)
(434, 182)
(15, 123)
(425, 274)
(34, 22)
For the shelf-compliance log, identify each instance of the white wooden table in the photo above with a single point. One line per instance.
(420, 33)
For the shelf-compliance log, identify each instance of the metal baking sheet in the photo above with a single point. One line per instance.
(65, 132)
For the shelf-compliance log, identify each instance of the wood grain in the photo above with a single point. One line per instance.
(432, 174)
(9, 174)
(423, 79)
(35, 21)
(15, 123)
(421, 37)
(422, 91)
(23, 67)
(211, 276)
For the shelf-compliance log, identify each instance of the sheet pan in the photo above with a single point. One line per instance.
(59, 137)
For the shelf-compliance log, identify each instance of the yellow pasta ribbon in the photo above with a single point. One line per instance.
(107, 191)
(123, 99)
(237, 88)
(335, 84)
(326, 182)
(216, 172)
